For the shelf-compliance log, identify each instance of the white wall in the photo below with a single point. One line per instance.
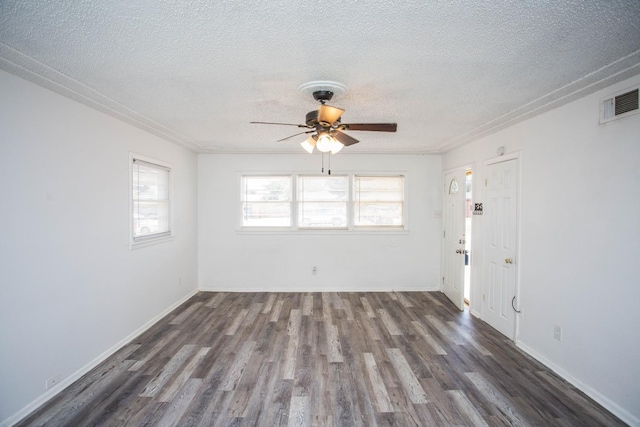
(71, 287)
(229, 260)
(579, 237)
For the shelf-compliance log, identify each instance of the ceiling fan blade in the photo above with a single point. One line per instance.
(284, 124)
(328, 115)
(345, 139)
(371, 127)
(296, 134)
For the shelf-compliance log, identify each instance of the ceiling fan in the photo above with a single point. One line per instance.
(327, 129)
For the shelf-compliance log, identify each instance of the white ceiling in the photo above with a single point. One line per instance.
(197, 72)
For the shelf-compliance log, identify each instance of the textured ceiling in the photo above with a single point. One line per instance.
(197, 72)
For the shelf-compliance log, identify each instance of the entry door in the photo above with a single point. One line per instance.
(500, 216)
(453, 236)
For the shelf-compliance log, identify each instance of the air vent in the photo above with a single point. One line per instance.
(619, 106)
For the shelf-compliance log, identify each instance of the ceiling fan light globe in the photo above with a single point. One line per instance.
(308, 144)
(325, 143)
(336, 146)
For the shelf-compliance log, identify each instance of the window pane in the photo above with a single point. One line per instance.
(322, 188)
(266, 188)
(266, 201)
(379, 201)
(322, 201)
(150, 200)
(379, 188)
(378, 214)
(267, 215)
(322, 215)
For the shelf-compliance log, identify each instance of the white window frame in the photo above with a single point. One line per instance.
(136, 242)
(349, 229)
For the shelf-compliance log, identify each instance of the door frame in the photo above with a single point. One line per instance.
(517, 156)
(443, 255)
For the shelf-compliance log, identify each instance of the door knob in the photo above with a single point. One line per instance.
(458, 251)
(508, 260)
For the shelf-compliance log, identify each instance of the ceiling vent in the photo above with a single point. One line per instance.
(619, 106)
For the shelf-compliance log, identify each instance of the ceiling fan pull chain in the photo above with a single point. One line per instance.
(322, 162)
(329, 159)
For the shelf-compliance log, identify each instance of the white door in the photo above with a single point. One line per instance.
(500, 217)
(453, 236)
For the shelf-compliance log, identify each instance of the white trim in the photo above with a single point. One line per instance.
(333, 287)
(504, 158)
(607, 403)
(53, 391)
(476, 314)
(150, 242)
(323, 231)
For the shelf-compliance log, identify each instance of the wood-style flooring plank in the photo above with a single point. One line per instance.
(320, 359)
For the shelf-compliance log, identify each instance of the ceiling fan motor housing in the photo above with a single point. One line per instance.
(312, 118)
(323, 95)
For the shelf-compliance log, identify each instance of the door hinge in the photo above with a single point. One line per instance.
(444, 234)
(443, 280)
(486, 182)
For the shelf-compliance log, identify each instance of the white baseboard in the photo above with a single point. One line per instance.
(252, 289)
(476, 314)
(607, 403)
(42, 399)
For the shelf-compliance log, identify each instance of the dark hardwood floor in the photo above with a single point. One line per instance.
(320, 359)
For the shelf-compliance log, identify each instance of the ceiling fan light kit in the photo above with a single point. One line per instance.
(325, 122)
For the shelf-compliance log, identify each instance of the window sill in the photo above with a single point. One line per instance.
(150, 242)
(323, 232)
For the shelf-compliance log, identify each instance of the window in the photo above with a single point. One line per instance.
(378, 201)
(266, 201)
(322, 201)
(150, 202)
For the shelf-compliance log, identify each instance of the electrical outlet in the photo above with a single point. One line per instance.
(314, 270)
(557, 332)
(53, 381)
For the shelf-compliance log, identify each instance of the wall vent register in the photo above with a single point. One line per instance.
(622, 105)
